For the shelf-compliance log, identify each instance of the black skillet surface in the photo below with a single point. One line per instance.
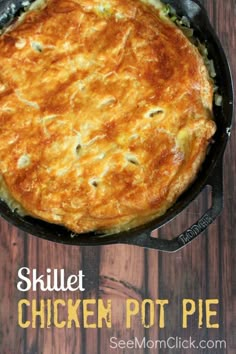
(211, 171)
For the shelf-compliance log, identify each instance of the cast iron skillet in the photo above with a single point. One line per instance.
(210, 174)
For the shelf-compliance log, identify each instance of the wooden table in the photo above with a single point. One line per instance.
(202, 271)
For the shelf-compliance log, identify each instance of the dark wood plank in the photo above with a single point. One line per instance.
(91, 262)
(152, 274)
(182, 275)
(227, 34)
(12, 245)
(225, 229)
(42, 255)
(122, 277)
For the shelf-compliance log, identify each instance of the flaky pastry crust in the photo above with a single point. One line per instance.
(105, 113)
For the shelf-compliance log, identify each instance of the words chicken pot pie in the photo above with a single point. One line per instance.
(105, 113)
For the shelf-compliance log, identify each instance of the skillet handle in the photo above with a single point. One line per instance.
(215, 181)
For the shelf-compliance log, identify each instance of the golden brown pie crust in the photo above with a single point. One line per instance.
(105, 113)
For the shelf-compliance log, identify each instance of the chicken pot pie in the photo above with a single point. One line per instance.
(105, 113)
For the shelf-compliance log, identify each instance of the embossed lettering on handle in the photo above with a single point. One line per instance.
(196, 229)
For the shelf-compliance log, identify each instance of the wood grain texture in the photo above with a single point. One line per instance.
(225, 228)
(204, 269)
(12, 246)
